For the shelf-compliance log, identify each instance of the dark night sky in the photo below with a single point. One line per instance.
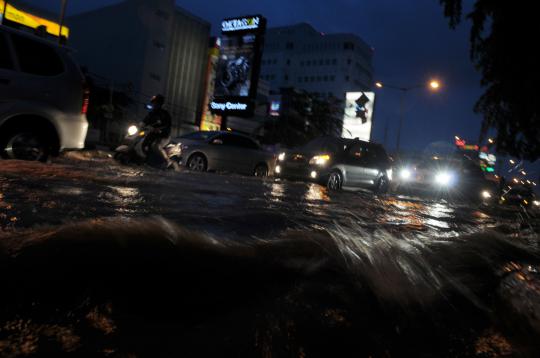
(412, 44)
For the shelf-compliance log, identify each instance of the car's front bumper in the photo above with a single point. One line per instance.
(301, 172)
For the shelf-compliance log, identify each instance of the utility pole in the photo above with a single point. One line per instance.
(62, 17)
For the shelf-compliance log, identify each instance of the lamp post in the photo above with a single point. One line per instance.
(61, 21)
(433, 85)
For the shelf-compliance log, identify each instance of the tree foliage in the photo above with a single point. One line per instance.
(504, 48)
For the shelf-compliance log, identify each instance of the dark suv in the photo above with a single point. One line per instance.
(338, 163)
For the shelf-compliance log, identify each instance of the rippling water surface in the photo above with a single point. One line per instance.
(104, 260)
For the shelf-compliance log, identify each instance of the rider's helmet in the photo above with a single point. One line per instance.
(157, 101)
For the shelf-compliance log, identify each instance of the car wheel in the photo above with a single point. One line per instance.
(24, 145)
(261, 170)
(382, 185)
(335, 181)
(197, 163)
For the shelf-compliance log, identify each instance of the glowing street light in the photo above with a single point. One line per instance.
(523, 172)
(433, 85)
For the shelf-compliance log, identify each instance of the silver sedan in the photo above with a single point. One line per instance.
(224, 151)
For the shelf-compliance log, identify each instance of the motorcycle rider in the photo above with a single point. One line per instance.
(160, 121)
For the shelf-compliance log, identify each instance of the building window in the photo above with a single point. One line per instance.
(155, 76)
(325, 78)
(275, 61)
(318, 78)
(321, 62)
(306, 79)
(348, 46)
(332, 78)
(300, 79)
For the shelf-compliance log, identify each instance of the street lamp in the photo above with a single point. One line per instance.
(433, 85)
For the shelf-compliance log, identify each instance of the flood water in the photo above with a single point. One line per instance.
(104, 260)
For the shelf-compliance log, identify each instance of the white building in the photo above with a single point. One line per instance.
(328, 64)
(152, 45)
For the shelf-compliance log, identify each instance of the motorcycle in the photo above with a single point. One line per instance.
(136, 148)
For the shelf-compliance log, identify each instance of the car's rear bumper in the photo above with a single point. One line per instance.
(72, 131)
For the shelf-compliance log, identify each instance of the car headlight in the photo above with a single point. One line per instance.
(281, 157)
(536, 202)
(133, 130)
(486, 194)
(320, 160)
(444, 178)
(405, 174)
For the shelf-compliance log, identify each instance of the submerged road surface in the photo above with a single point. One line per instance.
(99, 259)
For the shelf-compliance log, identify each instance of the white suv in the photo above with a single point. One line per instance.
(43, 98)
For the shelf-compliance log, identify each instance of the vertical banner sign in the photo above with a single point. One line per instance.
(358, 119)
(238, 66)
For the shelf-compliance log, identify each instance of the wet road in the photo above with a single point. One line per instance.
(96, 255)
(241, 207)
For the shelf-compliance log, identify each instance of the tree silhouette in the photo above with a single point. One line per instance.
(504, 48)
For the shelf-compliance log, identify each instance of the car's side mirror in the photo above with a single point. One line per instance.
(217, 142)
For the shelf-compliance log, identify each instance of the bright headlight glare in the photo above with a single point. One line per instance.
(390, 174)
(486, 194)
(281, 157)
(443, 178)
(405, 174)
(278, 169)
(320, 160)
(133, 130)
(536, 203)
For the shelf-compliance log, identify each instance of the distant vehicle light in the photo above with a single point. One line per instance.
(405, 174)
(444, 178)
(314, 175)
(278, 169)
(281, 157)
(486, 194)
(133, 130)
(320, 160)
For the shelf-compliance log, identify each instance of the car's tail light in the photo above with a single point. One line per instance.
(86, 98)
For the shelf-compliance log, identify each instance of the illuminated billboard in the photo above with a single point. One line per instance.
(358, 117)
(32, 21)
(238, 66)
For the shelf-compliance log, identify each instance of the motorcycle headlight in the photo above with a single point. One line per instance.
(444, 178)
(133, 130)
(486, 195)
(320, 160)
(281, 157)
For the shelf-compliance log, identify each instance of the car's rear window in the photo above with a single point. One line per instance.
(37, 58)
(5, 54)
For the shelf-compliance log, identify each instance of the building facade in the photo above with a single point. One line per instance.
(301, 57)
(146, 47)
